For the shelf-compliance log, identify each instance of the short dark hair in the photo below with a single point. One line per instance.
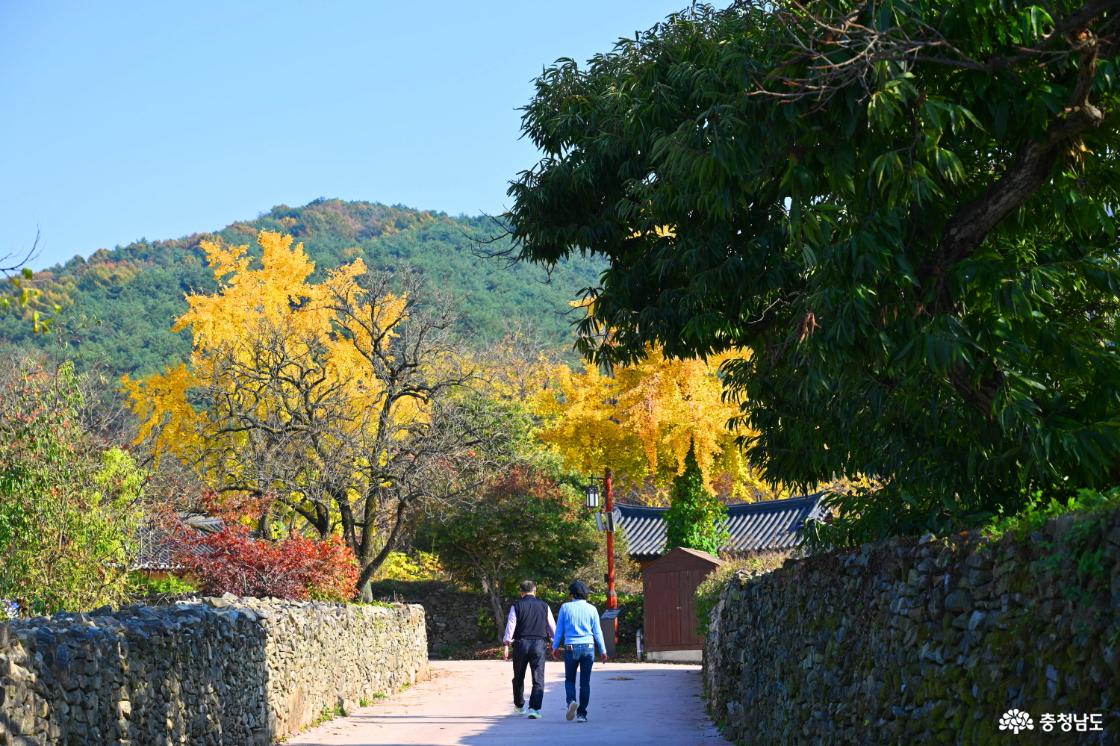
(578, 589)
(528, 586)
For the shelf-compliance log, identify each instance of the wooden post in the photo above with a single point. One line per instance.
(612, 597)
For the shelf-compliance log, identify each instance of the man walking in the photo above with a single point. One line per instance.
(528, 626)
(579, 630)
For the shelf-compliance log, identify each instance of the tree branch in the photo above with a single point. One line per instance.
(972, 223)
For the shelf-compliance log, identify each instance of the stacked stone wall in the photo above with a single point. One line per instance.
(208, 671)
(460, 623)
(457, 621)
(926, 641)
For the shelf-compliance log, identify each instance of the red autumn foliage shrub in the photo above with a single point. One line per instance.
(298, 568)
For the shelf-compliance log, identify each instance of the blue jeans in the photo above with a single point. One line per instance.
(580, 657)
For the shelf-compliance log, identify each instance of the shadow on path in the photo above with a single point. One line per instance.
(470, 703)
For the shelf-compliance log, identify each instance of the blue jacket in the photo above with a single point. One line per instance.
(578, 623)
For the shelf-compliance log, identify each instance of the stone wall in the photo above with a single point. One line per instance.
(460, 623)
(927, 641)
(457, 621)
(212, 671)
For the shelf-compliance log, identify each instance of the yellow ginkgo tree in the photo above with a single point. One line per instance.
(641, 419)
(338, 405)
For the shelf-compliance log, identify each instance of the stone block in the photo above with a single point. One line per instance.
(958, 600)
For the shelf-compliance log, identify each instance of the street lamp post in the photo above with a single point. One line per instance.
(608, 521)
(608, 507)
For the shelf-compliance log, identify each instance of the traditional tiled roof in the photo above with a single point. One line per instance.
(754, 527)
(155, 551)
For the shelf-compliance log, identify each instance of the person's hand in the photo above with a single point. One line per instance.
(605, 658)
(556, 654)
(505, 653)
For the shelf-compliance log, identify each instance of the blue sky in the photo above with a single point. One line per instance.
(159, 119)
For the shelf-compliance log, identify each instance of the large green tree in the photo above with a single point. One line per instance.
(525, 524)
(905, 209)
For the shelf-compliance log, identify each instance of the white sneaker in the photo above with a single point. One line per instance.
(581, 719)
(534, 714)
(572, 707)
(520, 710)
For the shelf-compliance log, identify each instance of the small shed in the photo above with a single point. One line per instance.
(669, 618)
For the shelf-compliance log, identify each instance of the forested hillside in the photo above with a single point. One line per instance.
(117, 306)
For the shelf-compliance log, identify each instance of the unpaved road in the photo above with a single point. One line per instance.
(470, 702)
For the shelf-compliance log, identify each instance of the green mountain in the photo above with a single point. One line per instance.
(118, 305)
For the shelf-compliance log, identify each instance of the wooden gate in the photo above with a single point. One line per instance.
(669, 586)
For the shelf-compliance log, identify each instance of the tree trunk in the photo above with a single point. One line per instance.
(263, 527)
(346, 518)
(369, 565)
(493, 593)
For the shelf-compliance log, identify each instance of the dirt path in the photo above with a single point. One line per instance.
(470, 702)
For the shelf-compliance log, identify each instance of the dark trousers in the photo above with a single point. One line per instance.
(528, 654)
(581, 657)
